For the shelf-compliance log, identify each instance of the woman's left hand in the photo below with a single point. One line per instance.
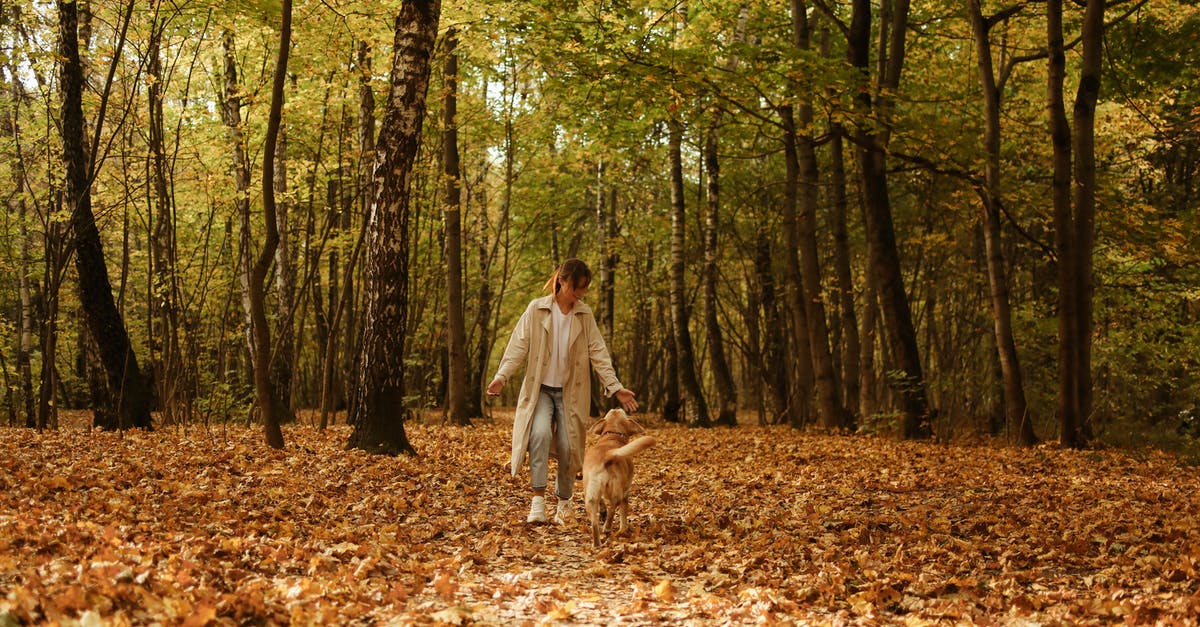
(628, 400)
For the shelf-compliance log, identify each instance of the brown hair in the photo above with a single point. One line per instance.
(574, 271)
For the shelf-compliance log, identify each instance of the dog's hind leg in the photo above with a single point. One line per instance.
(623, 512)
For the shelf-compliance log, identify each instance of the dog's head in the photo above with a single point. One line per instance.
(618, 422)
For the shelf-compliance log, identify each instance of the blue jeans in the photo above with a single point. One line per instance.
(550, 423)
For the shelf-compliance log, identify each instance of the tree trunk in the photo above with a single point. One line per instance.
(1020, 427)
(1069, 410)
(908, 380)
(829, 402)
(125, 380)
(456, 334)
(839, 207)
(801, 400)
(283, 352)
(851, 342)
(18, 206)
(776, 371)
(869, 400)
(273, 405)
(695, 407)
(379, 411)
(165, 358)
(1074, 212)
(231, 116)
(1086, 97)
(604, 313)
(726, 390)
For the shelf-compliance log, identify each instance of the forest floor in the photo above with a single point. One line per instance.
(206, 525)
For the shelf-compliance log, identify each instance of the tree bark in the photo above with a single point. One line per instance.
(18, 206)
(909, 381)
(800, 405)
(829, 404)
(1086, 97)
(726, 390)
(283, 351)
(776, 370)
(130, 390)
(176, 390)
(456, 401)
(273, 406)
(1074, 194)
(851, 341)
(695, 407)
(379, 411)
(1069, 410)
(1020, 427)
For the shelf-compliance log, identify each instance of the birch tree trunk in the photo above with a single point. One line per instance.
(18, 206)
(379, 411)
(283, 351)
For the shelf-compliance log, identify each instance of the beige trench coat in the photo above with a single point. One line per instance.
(530, 345)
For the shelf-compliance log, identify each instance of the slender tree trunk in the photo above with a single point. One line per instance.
(1020, 427)
(231, 116)
(801, 403)
(18, 206)
(269, 400)
(324, 313)
(726, 390)
(379, 411)
(1075, 208)
(283, 352)
(456, 334)
(851, 353)
(839, 210)
(829, 402)
(165, 355)
(776, 371)
(909, 381)
(868, 399)
(695, 407)
(1069, 409)
(604, 314)
(1086, 97)
(125, 381)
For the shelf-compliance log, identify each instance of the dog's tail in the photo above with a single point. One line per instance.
(631, 449)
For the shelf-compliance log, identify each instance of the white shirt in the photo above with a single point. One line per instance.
(560, 336)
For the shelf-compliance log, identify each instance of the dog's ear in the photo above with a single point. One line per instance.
(634, 427)
(598, 428)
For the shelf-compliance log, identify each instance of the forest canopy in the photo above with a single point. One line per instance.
(839, 215)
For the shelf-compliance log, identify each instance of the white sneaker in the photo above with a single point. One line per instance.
(563, 513)
(537, 510)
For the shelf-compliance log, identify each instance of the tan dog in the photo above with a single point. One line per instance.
(608, 470)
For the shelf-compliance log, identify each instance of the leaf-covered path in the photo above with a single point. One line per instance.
(746, 525)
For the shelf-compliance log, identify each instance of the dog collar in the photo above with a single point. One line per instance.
(624, 437)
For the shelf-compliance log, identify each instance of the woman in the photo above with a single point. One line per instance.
(557, 338)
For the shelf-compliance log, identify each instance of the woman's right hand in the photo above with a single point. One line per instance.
(493, 388)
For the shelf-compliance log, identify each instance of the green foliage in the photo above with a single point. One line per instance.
(559, 89)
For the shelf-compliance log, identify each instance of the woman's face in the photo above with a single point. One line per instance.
(569, 294)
